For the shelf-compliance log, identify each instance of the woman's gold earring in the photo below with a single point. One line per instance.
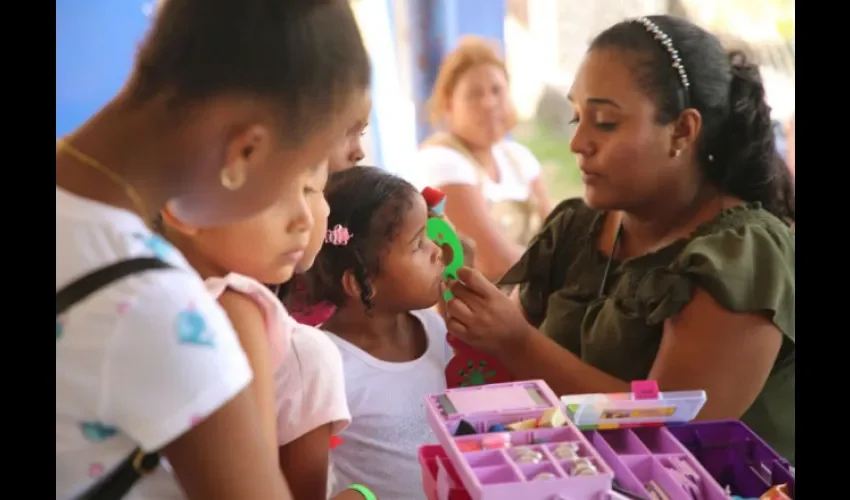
(676, 153)
(233, 178)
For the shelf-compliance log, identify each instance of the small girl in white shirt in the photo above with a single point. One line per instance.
(298, 381)
(384, 277)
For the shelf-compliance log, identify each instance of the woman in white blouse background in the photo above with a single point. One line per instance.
(494, 192)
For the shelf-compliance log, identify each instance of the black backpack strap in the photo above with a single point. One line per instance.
(83, 287)
(117, 483)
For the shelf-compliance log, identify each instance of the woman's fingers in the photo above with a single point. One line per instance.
(476, 282)
(457, 328)
(458, 310)
(470, 298)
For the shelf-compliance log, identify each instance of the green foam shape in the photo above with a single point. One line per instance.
(441, 232)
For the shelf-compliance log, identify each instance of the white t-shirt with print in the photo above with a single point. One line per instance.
(388, 419)
(139, 362)
(440, 166)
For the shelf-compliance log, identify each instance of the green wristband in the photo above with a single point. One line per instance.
(366, 492)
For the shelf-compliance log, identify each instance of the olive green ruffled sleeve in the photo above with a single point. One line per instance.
(747, 268)
(540, 269)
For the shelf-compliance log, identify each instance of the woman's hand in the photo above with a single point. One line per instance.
(484, 317)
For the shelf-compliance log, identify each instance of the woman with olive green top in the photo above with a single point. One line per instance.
(743, 258)
(678, 265)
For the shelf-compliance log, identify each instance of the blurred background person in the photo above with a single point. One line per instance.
(494, 192)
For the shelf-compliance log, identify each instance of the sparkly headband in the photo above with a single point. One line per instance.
(667, 43)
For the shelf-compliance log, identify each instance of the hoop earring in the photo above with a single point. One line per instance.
(233, 178)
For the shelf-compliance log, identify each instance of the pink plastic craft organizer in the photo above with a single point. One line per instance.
(518, 441)
(493, 463)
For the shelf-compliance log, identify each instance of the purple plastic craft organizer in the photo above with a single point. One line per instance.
(645, 458)
(682, 462)
(735, 456)
(497, 474)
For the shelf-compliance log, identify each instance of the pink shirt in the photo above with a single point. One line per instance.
(309, 377)
(304, 312)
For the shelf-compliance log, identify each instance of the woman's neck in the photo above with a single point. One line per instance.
(119, 137)
(482, 154)
(670, 218)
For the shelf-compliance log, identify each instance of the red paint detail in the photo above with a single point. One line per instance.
(432, 196)
(460, 362)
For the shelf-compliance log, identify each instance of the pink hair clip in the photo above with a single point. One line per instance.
(338, 236)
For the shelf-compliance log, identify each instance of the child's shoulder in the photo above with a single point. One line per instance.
(313, 384)
(257, 303)
(311, 388)
(312, 357)
(164, 318)
(165, 308)
(240, 283)
(313, 347)
(431, 321)
(435, 329)
(162, 300)
(264, 303)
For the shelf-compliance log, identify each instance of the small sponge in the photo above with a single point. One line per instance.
(497, 428)
(464, 428)
(467, 446)
(552, 417)
(496, 441)
(523, 425)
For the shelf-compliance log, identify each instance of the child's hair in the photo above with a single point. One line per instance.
(303, 56)
(370, 204)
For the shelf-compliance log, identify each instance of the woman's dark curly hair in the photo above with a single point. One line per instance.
(736, 148)
(371, 204)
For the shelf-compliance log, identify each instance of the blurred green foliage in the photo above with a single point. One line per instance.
(559, 168)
